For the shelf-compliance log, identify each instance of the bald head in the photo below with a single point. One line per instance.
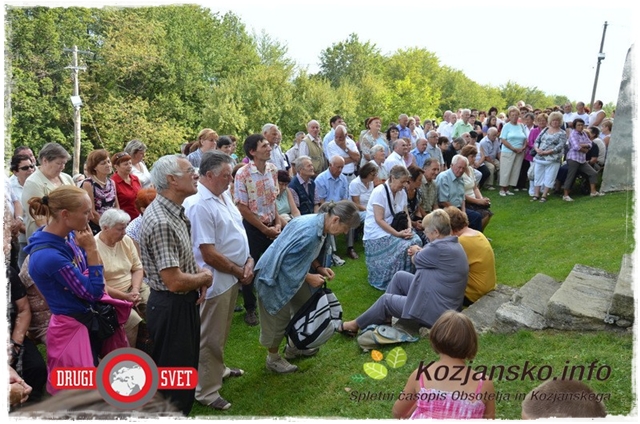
(335, 166)
(313, 128)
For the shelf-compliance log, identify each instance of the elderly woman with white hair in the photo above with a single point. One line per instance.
(137, 150)
(122, 267)
(379, 154)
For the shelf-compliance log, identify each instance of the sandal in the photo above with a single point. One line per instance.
(347, 333)
(535, 198)
(543, 199)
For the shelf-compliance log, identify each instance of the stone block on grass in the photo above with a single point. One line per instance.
(482, 313)
(622, 305)
(527, 307)
(582, 301)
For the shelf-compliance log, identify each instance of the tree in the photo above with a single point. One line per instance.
(350, 60)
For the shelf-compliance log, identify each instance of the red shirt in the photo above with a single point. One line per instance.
(127, 194)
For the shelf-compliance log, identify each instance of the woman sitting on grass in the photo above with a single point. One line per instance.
(454, 396)
(482, 262)
(437, 286)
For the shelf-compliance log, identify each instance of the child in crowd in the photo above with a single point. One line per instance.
(448, 388)
(562, 399)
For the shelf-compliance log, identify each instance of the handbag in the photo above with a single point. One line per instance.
(400, 221)
(105, 321)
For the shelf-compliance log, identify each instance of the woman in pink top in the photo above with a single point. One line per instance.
(441, 389)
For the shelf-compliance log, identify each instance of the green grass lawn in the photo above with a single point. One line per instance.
(528, 238)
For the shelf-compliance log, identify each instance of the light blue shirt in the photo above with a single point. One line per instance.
(450, 188)
(420, 157)
(281, 270)
(333, 189)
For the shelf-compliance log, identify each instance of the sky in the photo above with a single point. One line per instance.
(550, 45)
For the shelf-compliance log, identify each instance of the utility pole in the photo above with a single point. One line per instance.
(77, 104)
(600, 59)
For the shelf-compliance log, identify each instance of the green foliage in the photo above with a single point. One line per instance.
(350, 61)
(161, 74)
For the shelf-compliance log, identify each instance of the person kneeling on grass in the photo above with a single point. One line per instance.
(285, 267)
(454, 339)
(438, 284)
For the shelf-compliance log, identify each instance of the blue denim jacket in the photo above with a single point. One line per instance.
(281, 270)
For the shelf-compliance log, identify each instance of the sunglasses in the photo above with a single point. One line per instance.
(26, 167)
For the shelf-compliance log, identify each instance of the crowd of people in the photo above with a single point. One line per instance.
(174, 247)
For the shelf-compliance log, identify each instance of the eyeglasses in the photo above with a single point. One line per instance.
(26, 167)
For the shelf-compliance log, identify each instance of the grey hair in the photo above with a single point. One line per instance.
(52, 151)
(399, 171)
(495, 130)
(336, 158)
(437, 220)
(298, 162)
(458, 158)
(134, 146)
(395, 143)
(267, 127)
(346, 210)
(213, 160)
(344, 129)
(166, 165)
(466, 110)
(112, 217)
(377, 148)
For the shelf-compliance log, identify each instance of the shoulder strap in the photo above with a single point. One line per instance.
(42, 246)
(480, 384)
(539, 137)
(393, 211)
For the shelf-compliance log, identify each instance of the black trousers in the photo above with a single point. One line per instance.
(173, 321)
(258, 244)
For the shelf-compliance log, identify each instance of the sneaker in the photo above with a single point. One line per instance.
(251, 318)
(291, 352)
(232, 372)
(508, 193)
(220, 404)
(567, 199)
(337, 260)
(280, 365)
(597, 194)
(503, 193)
(515, 189)
(490, 188)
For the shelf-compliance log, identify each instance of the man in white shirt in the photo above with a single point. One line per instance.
(294, 151)
(581, 113)
(333, 122)
(272, 134)
(568, 115)
(220, 244)
(396, 157)
(447, 130)
(343, 146)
